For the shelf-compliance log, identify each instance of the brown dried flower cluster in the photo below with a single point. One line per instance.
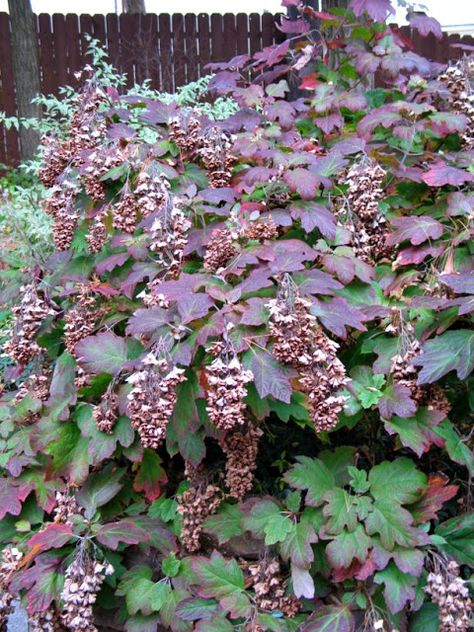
(61, 205)
(459, 80)
(451, 593)
(83, 579)
(9, 563)
(46, 621)
(36, 385)
(406, 374)
(169, 234)
(220, 249)
(151, 192)
(99, 161)
(125, 212)
(66, 508)
(28, 318)
(241, 448)
(185, 132)
(226, 379)
(359, 212)
(106, 413)
(152, 398)
(195, 504)
(81, 320)
(299, 342)
(260, 229)
(265, 579)
(85, 132)
(97, 234)
(217, 156)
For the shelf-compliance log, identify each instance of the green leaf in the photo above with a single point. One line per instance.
(417, 433)
(277, 529)
(164, 508)
(330, 619)
(452, 351)
(312, 476)
(426, 619)
(63, 389)
(99, 489)
(399, 587)
(358, 482)
(146, 596)
(398, 481)
(341, 511)
(225, 524)
(458, 451)
(297, 545)
(170, 565)
(195, 609)
(217, 576)
(458, 534)
(367, 386)
(258, 515)
(347, 546)
(393, 523)
(70, 453)
(103, 353)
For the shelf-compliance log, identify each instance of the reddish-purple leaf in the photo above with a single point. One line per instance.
(254, 312)
(150, 476)
(270, 377)
(313, 216)
(53, 536)
(414, 229)
(114, 261)
(193, 306)
(9, 502)
(299, 25)
(396, 400)
(43, 581)
(378, 10)
(317, 282)
(330, 619)
(104, 353)
(386, 116)
(283, 112)
(424, 24)
(417, 433)
(111, 534)
(336, 314)
(417, 255)
(440, 174)
(433, 499)
(461, 283)
(146, 321)
(303, 182)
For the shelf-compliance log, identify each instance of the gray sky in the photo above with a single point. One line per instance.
(446, 11)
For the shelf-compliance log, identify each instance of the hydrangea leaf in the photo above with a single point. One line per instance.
(103, 353)
(417, 433)
(399, 587)
(277, 529)
(340, 510)
(257, 514)
(225, 524)
(348, 546)
(452, 351)
(330, 619)
(111, 534)
(398, 481)
(270, 377)
(312, 476)
(457, 534)
(217, 576)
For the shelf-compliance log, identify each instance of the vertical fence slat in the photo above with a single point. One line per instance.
(126, 37)
(11, 151)
(242, 35)
(74, 47)
(48, 72)
(230, 39)
(166, 70)
(113, 39)
(204, 43)
(192, 59)
(87, 28)
(255, 32)
(60, 49)
(268, 29)
(177, 21)
(151, 67)
(217, 37)
(98, 21)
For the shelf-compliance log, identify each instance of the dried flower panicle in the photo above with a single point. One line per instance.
(227, 379)
(81, 320)
(97, 233)
(450, 592)
(9, 563)
(459, 80)
(359, 212)
(217, 156)
(169, 235)
(152, 398)
(151, 191)
(106, 413)
(125, 212)
(28, 318)
(99, 161)
(66, 508)
(45, 621)
(264, 577)
(185, 132)
(260, 230)
(36, 385)
(220, 249)
(404, 372)
(241, 448)
(301, 343)
(61, 205)
(83, 580)
(195, 504)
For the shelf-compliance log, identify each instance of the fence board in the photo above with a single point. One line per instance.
(168, 50)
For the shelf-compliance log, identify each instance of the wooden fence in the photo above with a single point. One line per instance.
(170, 50)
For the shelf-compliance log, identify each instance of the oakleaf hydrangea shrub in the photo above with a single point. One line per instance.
(240, 388)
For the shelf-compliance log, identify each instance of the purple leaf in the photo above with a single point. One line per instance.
(441, 174)
(378, 10)
(329, 123)
(386, 116)
(303, 182)
(254, 312)
(111, 534)
(462, 283)
(194, 306)
(336, 314)
(103, 353)
(290, 255)
(256, 280)
(313, 216)
(396, 400)
(317, 282)
(425, 25)
(330, 619)
(282, 112)
(9, 501)
(452, 351)
(270, 377)
(300, 25)
(174, 290)
(146, 321)
(114, 261)
(417, 433)
(216, 196)
(414, 229)
(53, 536)
(140, 271)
